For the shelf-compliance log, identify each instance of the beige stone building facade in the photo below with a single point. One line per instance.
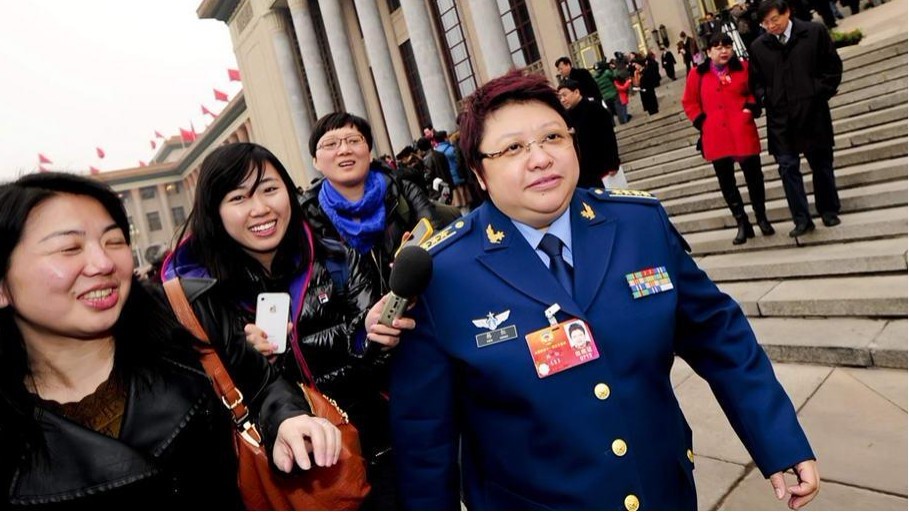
(158, 197)
(401, 64)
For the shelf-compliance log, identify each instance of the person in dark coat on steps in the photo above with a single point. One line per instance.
(795, 70)
(583, 77)
(594, 133)
(668, 63)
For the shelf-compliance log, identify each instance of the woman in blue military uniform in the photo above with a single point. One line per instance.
(491, 403)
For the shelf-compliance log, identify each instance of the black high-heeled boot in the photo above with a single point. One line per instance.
(745, 230)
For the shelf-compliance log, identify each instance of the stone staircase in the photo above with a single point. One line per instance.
(837, 296)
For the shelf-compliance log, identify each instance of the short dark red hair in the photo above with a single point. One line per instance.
(512, 87)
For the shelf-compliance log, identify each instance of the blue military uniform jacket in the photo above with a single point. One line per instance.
(607, 434)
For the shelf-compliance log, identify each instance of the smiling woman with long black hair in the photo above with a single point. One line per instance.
(103, 401)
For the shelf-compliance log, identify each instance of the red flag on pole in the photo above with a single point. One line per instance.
(152, 142)
(43, 159)
(233, 75)
(187, 135)
(158, 135)
(209, 112)
(220, 96)
(94, 170)
(142, 164)
(100, 152)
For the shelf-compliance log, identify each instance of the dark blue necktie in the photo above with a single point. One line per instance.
(552, 247)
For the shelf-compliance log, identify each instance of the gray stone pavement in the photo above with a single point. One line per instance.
(855, 419)
(878, 23)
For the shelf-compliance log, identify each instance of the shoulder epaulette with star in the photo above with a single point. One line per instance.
(447, 235)
(621, 194)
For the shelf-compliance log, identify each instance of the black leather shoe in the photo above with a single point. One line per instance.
(801, 229)
(831, 220)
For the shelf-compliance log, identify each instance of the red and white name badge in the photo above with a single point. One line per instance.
(561, 346)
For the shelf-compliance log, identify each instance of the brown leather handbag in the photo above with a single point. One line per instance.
(339, 487)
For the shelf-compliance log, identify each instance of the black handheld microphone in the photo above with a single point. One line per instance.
(410, 275)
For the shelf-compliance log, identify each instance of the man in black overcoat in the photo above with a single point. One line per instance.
(795, 70)
(589, 87)
(594, 133)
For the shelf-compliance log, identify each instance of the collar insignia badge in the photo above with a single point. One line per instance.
(494, 236)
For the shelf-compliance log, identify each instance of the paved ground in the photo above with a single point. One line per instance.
(855, 419)
(878, 23)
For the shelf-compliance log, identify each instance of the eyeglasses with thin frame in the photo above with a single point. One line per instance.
(352, 141)
(555, 139)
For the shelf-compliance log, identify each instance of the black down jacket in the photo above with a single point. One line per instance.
(329, 329)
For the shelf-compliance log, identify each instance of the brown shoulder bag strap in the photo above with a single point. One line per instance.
(223, 384)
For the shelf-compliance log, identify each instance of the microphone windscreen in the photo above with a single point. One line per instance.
(411, 272)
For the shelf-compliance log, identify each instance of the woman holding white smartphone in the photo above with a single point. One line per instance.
(247, 236)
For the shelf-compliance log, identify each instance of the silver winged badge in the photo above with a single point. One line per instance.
(492, 320)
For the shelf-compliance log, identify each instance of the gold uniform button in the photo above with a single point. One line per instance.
(601, 391)
(619, 447)
(690, 455)
(632, 503)
(459, 224)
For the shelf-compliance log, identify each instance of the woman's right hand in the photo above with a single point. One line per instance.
(256, 337)
(301, 435)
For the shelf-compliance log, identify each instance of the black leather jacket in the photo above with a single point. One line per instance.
(359, 281)
(174, 451)
(329, 328)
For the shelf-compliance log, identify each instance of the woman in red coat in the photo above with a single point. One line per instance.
(719, 103)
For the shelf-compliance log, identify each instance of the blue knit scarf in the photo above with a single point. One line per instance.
(359, 223)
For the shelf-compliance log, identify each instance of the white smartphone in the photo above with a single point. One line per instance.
(272, 315)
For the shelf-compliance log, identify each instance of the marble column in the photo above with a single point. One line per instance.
(383, 73)
(491, 35)
(296, 103)
(429, 64)
(140, 222)
(614, 27)
(342, 57)
(167, 215)
(316, 74)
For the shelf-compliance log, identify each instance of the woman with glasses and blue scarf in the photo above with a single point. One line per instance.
(360, 211)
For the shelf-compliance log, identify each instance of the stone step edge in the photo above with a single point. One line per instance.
(865, 355)
(682, 127)
(848, 143)
(826, 266)
(701, 248)
(687, 189)
(774, 181)
(759, 298)
(678, 143)
(778, 211)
